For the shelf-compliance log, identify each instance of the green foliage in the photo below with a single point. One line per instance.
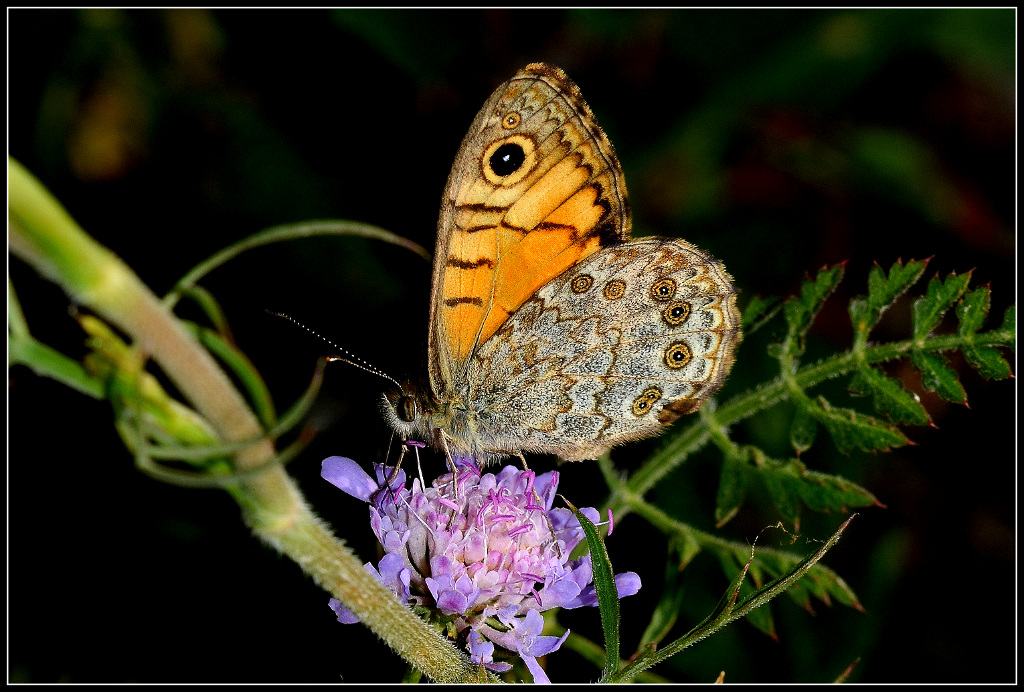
(789, 483)
(890, 398)
(741, 600)
(972, 311)
(882, 292)
(849, 428)
(758, 311)
(938, 377)
(941, 295)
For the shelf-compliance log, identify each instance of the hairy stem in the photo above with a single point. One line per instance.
(44, 235)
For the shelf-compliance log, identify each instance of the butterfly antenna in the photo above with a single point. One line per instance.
(349, 357)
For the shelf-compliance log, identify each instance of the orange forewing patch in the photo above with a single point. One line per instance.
(548, 193)
(557, 242)
(541, 256)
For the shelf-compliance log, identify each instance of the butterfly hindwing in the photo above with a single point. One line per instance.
(612, 351)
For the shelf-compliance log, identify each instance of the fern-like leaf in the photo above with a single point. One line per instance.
(801, 310)
(940, 296)
(790, 484)
(883, 290)
(938, 377)
(890, 398)
(851, 429)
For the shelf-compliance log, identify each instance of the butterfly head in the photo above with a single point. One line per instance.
(409, 410)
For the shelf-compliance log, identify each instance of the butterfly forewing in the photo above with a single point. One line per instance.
(535, 189)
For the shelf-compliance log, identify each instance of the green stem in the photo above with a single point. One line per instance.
(729, 610)
(42, 233)
(292, 231)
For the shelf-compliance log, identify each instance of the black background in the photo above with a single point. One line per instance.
(778, 140)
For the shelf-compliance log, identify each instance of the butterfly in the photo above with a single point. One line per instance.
(550, 330)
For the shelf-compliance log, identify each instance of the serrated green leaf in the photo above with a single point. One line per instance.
(776, 586)
(820, 581)
(825, 585)
(988, 361)
(607, 594)
(800, 311)
(1009, 325)
(883, 290)
(790, 483)
(852, 430)
(938, 377)
(802, 431)
(824, 492)
(814, 293)
(928, 310)
(729, 608)
(890, 398)
(731, 491)
(972, 310)
(756, 308)
(865, 311)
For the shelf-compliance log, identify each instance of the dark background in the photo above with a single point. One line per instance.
(778, 140)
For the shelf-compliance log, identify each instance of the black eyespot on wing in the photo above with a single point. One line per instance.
(678, 355)
(581, 283)
(507, 159)
(663, 290)
(676, 313)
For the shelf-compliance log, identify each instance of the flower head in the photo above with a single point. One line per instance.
(486, 553)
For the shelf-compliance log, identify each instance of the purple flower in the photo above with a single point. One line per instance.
(475, 547)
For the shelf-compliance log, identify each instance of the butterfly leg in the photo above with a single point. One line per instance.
(451, 462)
(394, 474)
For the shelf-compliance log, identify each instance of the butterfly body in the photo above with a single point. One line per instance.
(550, 331)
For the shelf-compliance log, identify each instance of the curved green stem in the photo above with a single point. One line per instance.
(43, 234)
(291, 231)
